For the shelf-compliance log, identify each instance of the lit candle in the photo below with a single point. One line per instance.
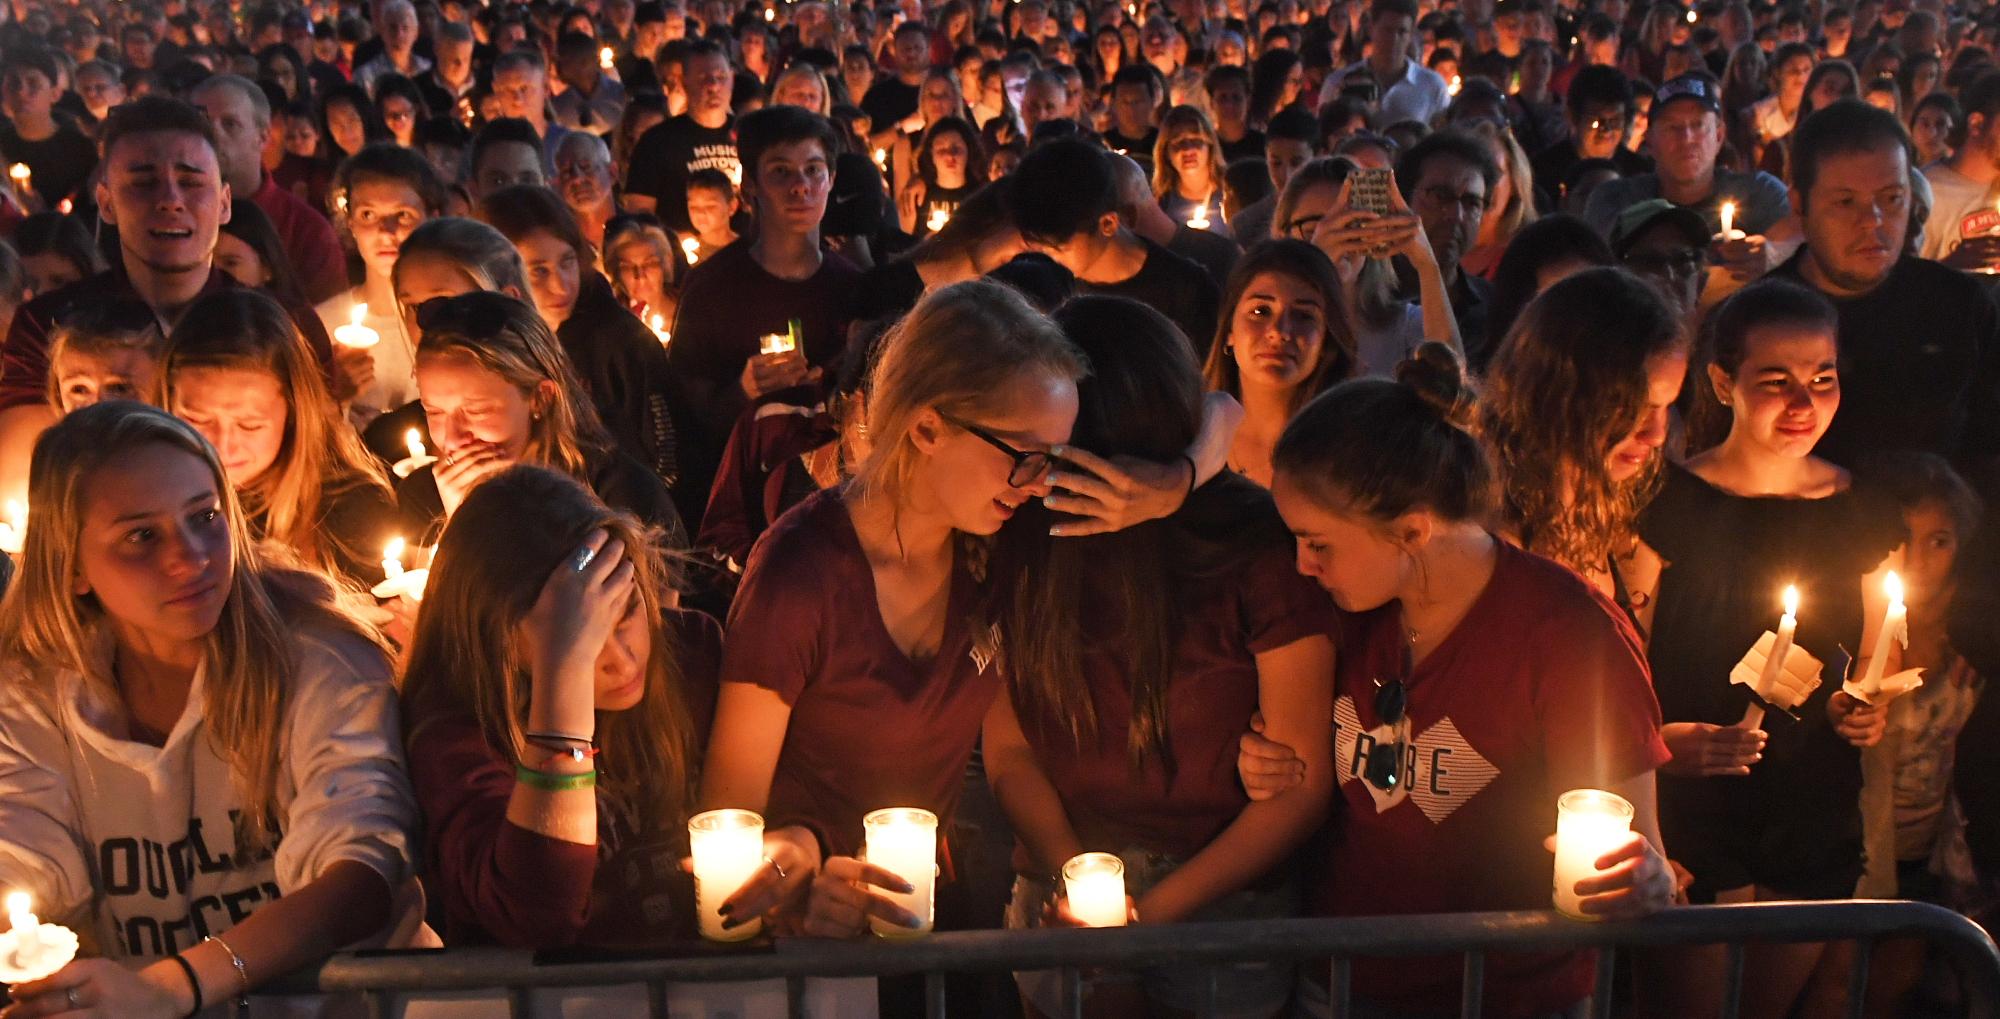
(1893, 622)
(354, 334)
(659, 326)
(903, 841)
(1452, 89)
(21, 175)
(1589, 823)
(770, 15)
(691, 247)
(1200, 218)
(1728, 220)
(27, 930)
(939, 218)
(1095, 883)
(728, 847)
(604, 58)
(14, 530)
(1690, 16)
(65, 205)
(882, 159)
(418, 459)
(1774, 666)
(399, 581)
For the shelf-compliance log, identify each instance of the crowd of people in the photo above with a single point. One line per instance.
(448, 445)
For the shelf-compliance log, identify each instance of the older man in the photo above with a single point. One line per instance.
(397, 28)
(241, 116)
(584, 179)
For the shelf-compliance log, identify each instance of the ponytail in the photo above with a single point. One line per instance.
(1382, 448)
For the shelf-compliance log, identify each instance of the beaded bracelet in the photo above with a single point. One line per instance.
(554, 783)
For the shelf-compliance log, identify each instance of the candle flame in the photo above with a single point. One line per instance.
(393, 550)
(1791, 601)
(17, 902)
(65, 205)
(1453, 89)
(770, 15)
(357, 313)
(604, 58)
(1690, 17)
(1200, 218)
(415, 441)
(19, 172)
(1894, 586)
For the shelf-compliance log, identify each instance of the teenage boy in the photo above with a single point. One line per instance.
(59, 157)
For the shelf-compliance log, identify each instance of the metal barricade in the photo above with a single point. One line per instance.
(1471, 935)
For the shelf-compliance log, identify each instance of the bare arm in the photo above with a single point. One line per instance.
(1023, 790)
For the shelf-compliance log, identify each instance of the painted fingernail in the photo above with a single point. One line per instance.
(1059, 450)
(914, 922)
(1049, 501)
(907, 888)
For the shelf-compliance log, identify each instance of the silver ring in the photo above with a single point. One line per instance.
(583, 558)
(448, 459)
(774, 866)
(71, 995)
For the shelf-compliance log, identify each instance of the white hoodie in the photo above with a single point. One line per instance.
(133, 844)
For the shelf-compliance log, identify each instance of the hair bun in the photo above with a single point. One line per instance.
(1436, 375)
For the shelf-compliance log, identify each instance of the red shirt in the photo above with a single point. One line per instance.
(308, 238)
(760, 465)
(502, 884)
(869, 728)
(1260, 608)
(1542, 688)
(24, 359)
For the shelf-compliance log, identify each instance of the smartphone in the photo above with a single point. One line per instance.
(1368, 191)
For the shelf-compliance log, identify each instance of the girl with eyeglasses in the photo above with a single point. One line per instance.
(1477, 682)
(1135, 661)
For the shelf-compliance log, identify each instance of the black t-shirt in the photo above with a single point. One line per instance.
(60, 163)
(1140, 149)
(1250, 146)
(854, 205)
(624, 367)
(1210, 250)
(668, 152)
(1173, 286)
(888, 102)
(1553, 164)
(1919, 368)
(940, 200)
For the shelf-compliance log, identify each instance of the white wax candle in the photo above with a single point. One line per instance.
(415, 442)
(392, 559)
(1095, 883)
(21, 175)
(14, 530)
(27, 930)
(354, 334)
(1774, 666)
(728, 847)
(692, 248)
(939, 218)
(903, 841)
(777, 343)
(1589, 823)
(604, 58)
(1892, 630)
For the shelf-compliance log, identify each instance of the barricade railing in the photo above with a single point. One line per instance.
(1472, 935)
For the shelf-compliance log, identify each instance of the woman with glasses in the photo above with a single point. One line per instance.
(1187, 170)
(401, 106)
(1477, 682)
(1283, 338)
(1315, 207)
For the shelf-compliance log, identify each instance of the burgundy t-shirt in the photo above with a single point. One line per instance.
(500, 883)
(869, 728)
(1260, 608)
(1542, 688)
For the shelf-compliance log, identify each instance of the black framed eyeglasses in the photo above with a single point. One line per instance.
(1384, 769)
(1030, 466)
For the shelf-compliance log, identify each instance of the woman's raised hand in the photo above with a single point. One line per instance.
(585, 597)
(461, 470)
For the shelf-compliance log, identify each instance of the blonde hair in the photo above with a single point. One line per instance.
(1180, 121)
(636, 232)
(952, 353)
(513, 530)
(245, 330)
(506, 336)
(801, 69)
(249, 660)
(485, 255)
(1520, 209)
(101, 330)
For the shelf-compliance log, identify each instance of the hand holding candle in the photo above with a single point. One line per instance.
(1589, 824)
(728, 847)
(399, 581)
(903, 841)
(418, 459)
(354, 334)
(1876, 688)
(1774, 663)
(32, 949)
(1095, 886)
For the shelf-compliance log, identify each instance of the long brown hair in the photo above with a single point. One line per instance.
(1338, 359)
(320, 457)
(1567, 385)
(506, 336)
(1144, 399)
(1180, 122)
(465, 659)
(251, 658)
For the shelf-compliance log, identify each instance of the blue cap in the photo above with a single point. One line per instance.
(1697, 87)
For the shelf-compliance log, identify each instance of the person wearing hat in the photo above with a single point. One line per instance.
(1665, 245)
(1686, 134)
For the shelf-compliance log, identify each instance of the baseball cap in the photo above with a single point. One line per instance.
(1639, 218)
(1699, 87)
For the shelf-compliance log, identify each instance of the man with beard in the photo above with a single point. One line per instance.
(164, 192)
(583, 178)
(1445, 179)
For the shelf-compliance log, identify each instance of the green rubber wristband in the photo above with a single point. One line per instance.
(554, 783)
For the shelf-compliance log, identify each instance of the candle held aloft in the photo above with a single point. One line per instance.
(1774, 666)
(27, 929)
(728, 847)
(1894, 624)
(1095, 884)
(1589, 823)
(354, 334)
(903, 841)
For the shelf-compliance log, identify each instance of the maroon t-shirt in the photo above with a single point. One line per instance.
(1542, 688)
(502, 884)
(1260, 608)
(869, 728)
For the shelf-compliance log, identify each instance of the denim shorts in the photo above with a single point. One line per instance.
(1245, 990)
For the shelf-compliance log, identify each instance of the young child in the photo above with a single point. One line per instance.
(711, 201)
(107, 352)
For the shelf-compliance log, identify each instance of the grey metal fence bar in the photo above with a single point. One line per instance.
(1469, 934)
